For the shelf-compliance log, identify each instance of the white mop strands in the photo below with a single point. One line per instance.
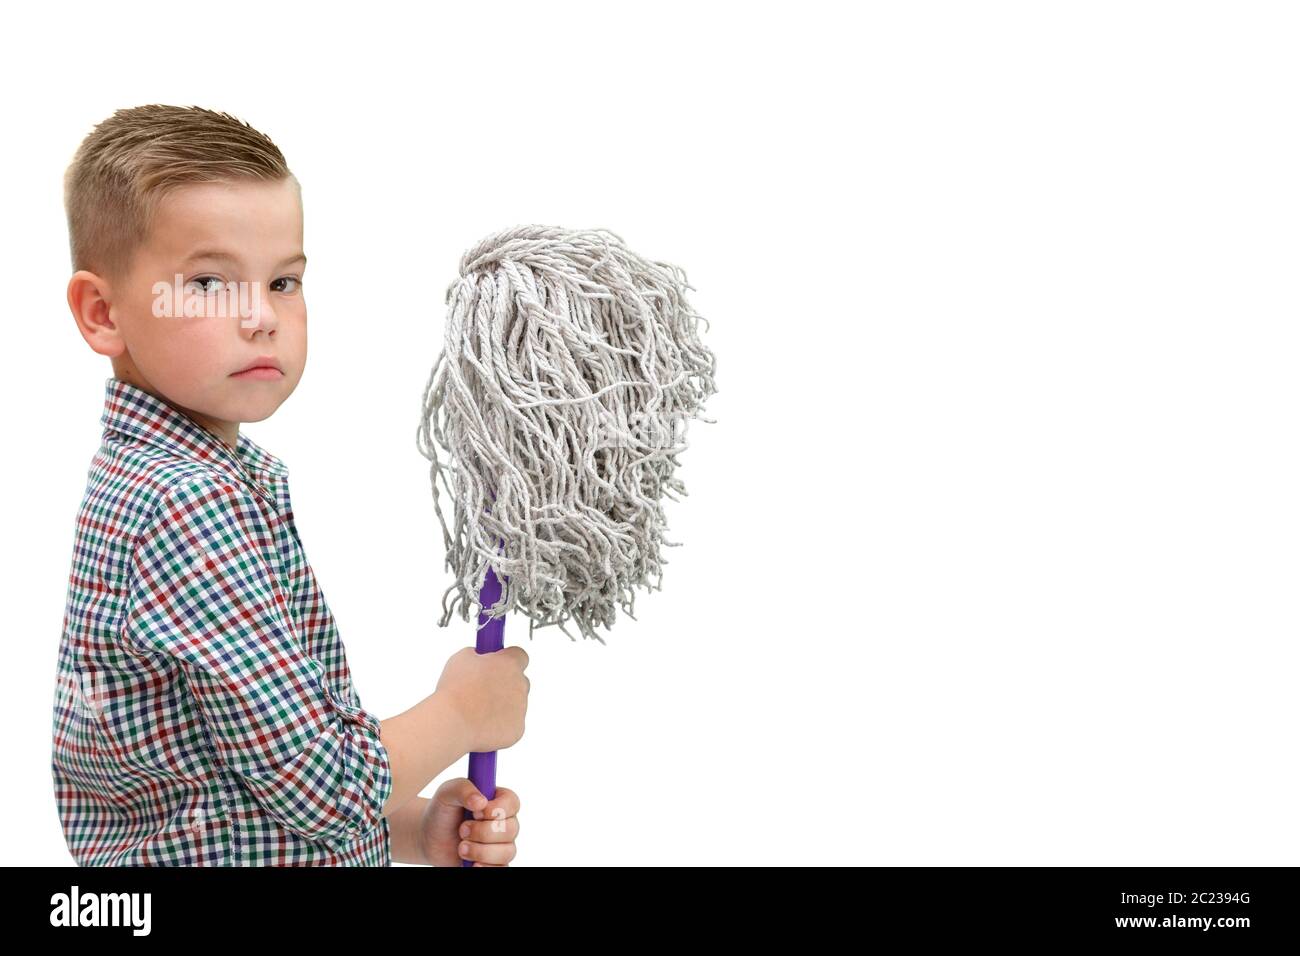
(569, 372)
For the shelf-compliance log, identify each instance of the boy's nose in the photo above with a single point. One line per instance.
(257, 313)
(264, 320)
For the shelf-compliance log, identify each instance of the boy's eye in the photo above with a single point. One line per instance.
(204, 289)
(296, 284)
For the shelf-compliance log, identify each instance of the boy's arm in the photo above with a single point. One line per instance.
(421, 742)
(404, 830)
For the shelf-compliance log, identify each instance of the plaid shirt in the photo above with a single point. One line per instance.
(204, 714)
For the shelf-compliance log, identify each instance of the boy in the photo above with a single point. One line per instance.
(205, 714)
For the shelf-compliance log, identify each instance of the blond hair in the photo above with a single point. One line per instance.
(131, 160)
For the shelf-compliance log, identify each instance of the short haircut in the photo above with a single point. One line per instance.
(131, 160)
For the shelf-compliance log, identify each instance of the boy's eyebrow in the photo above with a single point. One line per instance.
(227, 257)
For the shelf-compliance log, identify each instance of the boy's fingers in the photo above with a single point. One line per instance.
(505, 803)
(497, 853)
(520, 653)
(490, 831)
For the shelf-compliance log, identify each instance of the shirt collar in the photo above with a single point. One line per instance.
(130, 410)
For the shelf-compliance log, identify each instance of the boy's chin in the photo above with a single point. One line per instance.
(259, 412)
(250, 408)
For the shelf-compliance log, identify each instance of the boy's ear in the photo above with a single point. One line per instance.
(88, 299)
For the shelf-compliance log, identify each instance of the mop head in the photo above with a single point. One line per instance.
(554, 416)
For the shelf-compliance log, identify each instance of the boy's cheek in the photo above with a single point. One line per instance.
(185, 364)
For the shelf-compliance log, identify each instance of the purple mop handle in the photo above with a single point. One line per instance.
(491, 637)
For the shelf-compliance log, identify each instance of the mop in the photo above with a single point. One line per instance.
(553, 418)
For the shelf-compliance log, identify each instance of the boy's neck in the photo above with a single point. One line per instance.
(228, 432)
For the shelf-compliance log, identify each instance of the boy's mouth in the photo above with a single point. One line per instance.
(261, 371)
(266, 367)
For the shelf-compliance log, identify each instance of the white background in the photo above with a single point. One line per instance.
(991, 556)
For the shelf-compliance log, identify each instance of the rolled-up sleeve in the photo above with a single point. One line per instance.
(204, 594)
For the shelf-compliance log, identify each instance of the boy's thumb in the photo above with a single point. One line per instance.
(461, 792)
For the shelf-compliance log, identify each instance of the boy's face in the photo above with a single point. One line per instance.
(217, 236)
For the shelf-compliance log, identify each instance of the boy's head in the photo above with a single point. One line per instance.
(157, 192)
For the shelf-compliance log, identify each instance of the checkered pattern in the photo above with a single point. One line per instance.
(205, 714)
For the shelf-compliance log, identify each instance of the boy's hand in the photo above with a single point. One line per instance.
(490, 693)
(489, 839)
